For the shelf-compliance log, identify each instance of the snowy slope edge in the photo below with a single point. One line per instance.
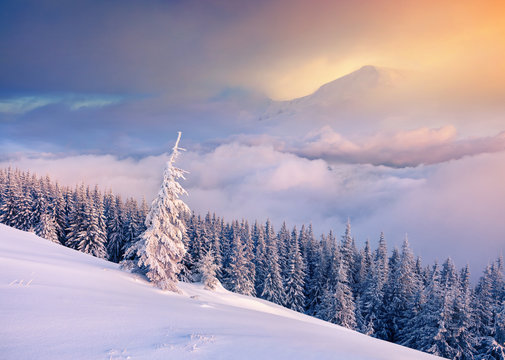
(57, 303)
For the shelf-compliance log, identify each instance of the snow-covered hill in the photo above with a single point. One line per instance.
(57, 303)
(366, 95)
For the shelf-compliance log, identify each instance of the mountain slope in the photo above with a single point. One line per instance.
(366, 95)
(57, 303)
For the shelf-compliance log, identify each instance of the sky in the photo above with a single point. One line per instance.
(390, 113)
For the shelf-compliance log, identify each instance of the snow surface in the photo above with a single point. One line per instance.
(57, 303)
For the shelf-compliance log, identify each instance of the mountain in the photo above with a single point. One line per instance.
(57, 303)
(365, 95)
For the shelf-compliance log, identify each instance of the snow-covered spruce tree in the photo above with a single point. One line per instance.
(207, 269)
(250, 269)
(59, 213)
(131, 229)
(187, 264)
(339, 303)
(295, 276)
(260, 259)
(489, 298)
(160, 248)
(25, 206)
(272, 288)
(283, 239)
(236, 272)
(91, 237)
(9, 208)
(398, 295)
(365, 316)
(463, 317)
(313, 257)
(47, 226)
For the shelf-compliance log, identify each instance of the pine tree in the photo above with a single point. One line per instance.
(59, 213)
(315, 264)
(272, 289)
(295, 275)
(161, 249)
(367, 300)
(47, 227)
(115, 240)
(338, 304)
(260, 258)
(373, 299)
(214, 230)
(24, 217)
(427, 328)
(385, 324)
(207, 268)
(464, 339)
(283, 243)
(399, 295)
(187, 266)
(9, 208)
(236, 272)
(131, 230)
(250, 268)
(489, 298)
(92, 238)
(76, 217)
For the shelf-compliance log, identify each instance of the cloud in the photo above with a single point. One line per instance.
(449, 209)
(24, 104)
(457, 212)
(238, 180)
(398, 149)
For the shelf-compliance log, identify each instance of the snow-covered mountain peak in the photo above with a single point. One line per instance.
(365, 78)
(362, 86)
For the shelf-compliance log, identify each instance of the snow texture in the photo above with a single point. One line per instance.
(58, 303)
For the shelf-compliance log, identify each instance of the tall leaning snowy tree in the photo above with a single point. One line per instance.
(160, 248)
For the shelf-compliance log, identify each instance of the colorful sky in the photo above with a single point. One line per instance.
(413, 143)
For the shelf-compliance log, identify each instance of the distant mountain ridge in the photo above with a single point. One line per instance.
(352, 88)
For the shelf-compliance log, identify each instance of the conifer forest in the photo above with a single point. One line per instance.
(386, 293)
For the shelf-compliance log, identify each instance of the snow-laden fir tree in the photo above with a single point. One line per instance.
(131, 226)
(87, 232)
(207, 269)
(245, 235)
(9, 208)
(47, 227)
(236, 271)
(272, 287)
(399, 294)
(260, 259)
(160, 249)
(338, 301)
(25, 206)
(463, 317)
(366, 292)
(319, 264)
(283, 239)
(114, 224)
(295, 276)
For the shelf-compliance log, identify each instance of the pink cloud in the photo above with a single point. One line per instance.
(398, 149)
